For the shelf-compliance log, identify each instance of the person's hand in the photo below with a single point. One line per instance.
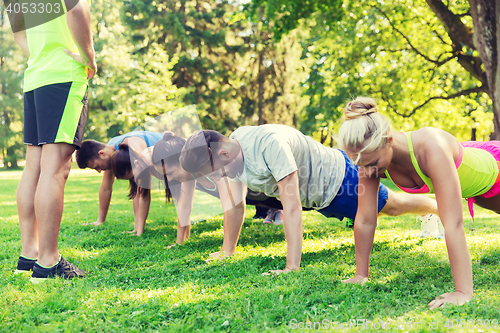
(132, 233)
(278, 271)
(357, 279)
(90, 65)
(216, 256)
(456, 298)
(96, 223)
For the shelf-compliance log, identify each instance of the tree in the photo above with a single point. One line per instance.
(234, 71)
(408, 39)
(484, 38)
(12, 62)
(131, 88)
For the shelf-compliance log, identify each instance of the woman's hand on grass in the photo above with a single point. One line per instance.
(456, 298)
(132, 233)
(216, 256)
(357, 279)
(278, 271)
(96, 223)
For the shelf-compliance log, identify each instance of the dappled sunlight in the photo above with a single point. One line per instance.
(171, 296)
(84, 254)
(13, 219)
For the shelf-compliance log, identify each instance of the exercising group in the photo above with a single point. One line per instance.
(274, 166)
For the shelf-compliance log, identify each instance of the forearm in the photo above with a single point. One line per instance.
(292, 218)
(233, 220)
(79, 24)
(363, 243)
(184, 214)
(22, 41)
(142, 213)
(460, 262)
(104, 201)
(183, 233)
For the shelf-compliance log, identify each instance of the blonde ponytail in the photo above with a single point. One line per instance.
(364, 129)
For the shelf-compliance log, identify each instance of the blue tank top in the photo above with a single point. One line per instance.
(150, 137)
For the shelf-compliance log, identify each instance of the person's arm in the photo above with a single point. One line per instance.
(364, 225)
(19, 31)
(288, 188)
(22, 41)
(440, 168)
(233, 200)
(105, 191)
(184, 208)
(141, 211)
(79, 24)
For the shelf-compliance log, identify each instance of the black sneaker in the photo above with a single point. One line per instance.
(24, 265)
(260, 212)
(63, 269)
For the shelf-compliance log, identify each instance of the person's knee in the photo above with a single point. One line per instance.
(391, 210)
(394, 205)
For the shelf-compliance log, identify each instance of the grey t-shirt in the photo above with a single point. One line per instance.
(272, 152)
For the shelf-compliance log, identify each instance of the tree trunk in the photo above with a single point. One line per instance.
(485, 15)
(261, 81)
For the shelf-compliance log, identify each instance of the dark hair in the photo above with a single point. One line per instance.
(121, 165)
(195, 154)
(167, 152)
(87, 152)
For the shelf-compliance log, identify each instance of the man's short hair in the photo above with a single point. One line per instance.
(87, 152)
(195, 154)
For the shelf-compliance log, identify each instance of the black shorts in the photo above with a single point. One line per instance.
(55, 113)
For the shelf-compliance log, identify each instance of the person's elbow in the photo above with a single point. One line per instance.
(19, 37)
(81, 9)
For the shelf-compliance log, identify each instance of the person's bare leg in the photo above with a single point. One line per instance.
(26, 202)
(49, 199)
(404, 203)
(492, 203)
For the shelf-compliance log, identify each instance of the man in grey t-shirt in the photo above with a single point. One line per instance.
(272, 152)
(282, 162)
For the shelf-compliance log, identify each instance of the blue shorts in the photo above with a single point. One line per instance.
(345, 203)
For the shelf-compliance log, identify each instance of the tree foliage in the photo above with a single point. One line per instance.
(131, 87)
(418, 58)
(234, 71)
(400, 55)
(12, 62)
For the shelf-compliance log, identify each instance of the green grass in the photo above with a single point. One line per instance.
(137, 284)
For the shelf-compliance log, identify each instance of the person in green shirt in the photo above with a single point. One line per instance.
(61, 60)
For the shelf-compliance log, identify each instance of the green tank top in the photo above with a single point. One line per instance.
(477, 171)
(48, 63)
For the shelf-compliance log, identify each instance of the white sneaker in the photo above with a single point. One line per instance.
(428, 224)
(440, 232)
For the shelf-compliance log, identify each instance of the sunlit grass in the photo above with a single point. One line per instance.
(138, 284)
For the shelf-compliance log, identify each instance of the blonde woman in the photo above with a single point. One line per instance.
(428, 160)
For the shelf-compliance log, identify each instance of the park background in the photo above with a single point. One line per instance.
(427, 63)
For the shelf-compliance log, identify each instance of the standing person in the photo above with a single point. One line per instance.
(282, 162)
(97, 155)
(61, 60)
(428, 160)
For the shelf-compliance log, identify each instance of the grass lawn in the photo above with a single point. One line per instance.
(137, 284)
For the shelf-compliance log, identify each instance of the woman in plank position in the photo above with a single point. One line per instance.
(428, 160)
